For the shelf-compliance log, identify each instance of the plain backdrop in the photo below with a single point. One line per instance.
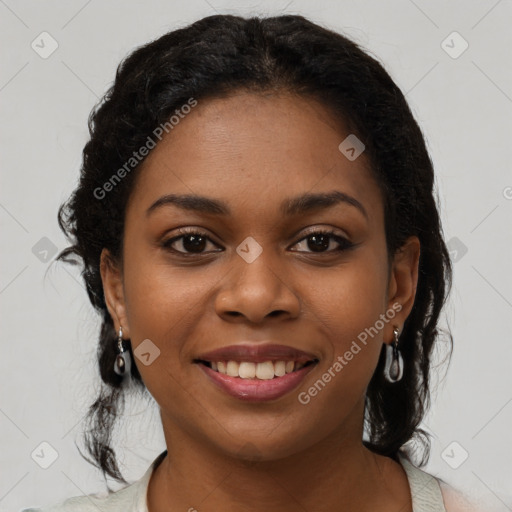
(451, 59)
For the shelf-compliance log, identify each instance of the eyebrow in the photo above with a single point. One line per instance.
(293, 206)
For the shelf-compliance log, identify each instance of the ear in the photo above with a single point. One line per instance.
(403, 281)
(113, 290)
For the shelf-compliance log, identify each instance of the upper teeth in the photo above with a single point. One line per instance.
(248, 370)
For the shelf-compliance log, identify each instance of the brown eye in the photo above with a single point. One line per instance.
(193, 242)
(318, 243)
(325, 241)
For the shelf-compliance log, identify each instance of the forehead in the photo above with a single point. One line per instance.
(253, 150)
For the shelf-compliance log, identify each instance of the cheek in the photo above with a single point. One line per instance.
(347, 305)
(162, 304)
(347, 299)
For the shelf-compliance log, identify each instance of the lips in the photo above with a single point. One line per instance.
(256, 372)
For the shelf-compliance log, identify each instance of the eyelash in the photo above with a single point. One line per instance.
(344, 243)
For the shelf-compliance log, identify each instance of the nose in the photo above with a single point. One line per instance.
(254, 291)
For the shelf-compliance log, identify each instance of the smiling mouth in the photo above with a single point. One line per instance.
(266, 370)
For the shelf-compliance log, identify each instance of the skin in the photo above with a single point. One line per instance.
(253, 151)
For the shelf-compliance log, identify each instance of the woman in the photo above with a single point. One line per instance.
(258, 229)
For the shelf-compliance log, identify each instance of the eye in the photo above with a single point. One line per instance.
(194, 242)
(320, 241)
(190, 241)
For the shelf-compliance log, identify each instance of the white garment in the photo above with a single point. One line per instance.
(425, 492)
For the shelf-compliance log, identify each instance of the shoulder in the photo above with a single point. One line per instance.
(113, 502)
(454, 500)
(127, 499)
(78, 503)
(131, 498)
(433, 494)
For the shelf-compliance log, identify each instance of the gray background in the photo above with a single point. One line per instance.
(48, 329)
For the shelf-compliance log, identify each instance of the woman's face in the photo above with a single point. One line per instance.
(258, 276)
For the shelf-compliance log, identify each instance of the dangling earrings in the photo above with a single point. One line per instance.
(394, 367)
(123, 361)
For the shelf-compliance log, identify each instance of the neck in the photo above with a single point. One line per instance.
(338, 473)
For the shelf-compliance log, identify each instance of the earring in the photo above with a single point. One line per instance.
(123, 361)
(394, 367)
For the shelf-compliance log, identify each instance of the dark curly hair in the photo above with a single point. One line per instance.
(215, 57)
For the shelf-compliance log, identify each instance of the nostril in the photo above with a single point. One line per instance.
(275, 313)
